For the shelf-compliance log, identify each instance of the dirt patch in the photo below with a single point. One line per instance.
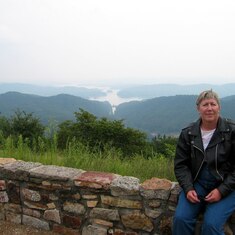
(7, 228)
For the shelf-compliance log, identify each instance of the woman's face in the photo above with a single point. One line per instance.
(209, 110)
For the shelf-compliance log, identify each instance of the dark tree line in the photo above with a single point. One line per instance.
(95, 133)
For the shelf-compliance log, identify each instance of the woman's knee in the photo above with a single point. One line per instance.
(212, 224)
(183, 225)
(182, 218)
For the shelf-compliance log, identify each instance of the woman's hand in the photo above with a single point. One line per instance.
(213, 196)
(192, 196)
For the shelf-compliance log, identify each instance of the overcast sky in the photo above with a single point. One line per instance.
(94, 42)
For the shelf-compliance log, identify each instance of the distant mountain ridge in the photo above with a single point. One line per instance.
(158, 90)
(161, 115)
(60, 107)
(83, 92)
(138, 91)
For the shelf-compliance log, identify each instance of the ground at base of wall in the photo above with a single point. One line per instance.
(7, 228)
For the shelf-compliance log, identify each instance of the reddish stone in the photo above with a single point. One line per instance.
(63, 230)
(2, 185)
(71, 221)
(156, 183)
(4, 161)
(94, 179)
(45, 197)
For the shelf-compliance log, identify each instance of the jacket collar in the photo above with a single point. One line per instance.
(222, 126)
(218, 136)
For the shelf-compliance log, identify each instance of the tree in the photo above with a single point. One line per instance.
(26, 125)
(5, 127)
(165, 145)
(99, 133)
(65, 133)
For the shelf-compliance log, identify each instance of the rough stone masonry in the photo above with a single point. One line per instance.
(73, 201)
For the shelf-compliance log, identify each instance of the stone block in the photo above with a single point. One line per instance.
(14, 208)
(4, 161)
(137, 220)
(101, 222)
(31, 195)
(93, 179)
(3, 197)
(156, 188)
(13, 217)
(64, 230)
(18, 170)
(75, 208)
(54, 172)
(34, 205)
(71, 221)
(91, 204)
(31, 212)
(35, 222)
(125, 186)
(105, 214)
(119, 202)
(94, 230)
(52, 215)
(2, 185)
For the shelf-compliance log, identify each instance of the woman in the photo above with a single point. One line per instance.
(205, 170)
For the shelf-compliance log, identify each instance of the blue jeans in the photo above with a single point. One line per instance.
(215, 214)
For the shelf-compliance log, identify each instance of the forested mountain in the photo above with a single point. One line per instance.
(161, 115)
(228, 106)
(166, 115)
(59, 107)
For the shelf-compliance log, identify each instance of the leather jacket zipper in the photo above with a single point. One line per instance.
(201, 162)
(216, 162)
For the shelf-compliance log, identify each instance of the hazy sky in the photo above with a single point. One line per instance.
(123, 41)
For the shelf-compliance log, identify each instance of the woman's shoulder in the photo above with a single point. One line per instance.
(229, 121)
(191, 125)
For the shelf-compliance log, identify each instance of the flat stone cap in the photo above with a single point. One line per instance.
(95, 179)
(156, 184)
(52, 172)
(4, 161)
(19, 170)
(125, 185)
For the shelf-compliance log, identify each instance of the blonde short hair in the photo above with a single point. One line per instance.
(208, 94)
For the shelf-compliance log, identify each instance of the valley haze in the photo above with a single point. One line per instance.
(118, 94)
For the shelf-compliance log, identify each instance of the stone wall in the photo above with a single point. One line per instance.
(72, 201)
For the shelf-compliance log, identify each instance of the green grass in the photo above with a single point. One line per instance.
(79, 156)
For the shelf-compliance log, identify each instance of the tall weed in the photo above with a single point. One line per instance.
(79, 156)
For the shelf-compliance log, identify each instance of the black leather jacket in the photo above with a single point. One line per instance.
(220, 155)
